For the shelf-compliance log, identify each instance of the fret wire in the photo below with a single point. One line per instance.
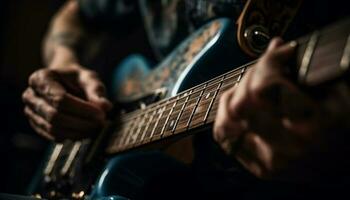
(213, 99)
(230, 84)
(118, 136)
(125, 134)
(214, 103)
(167, 119)
(194, 109)
(189, 96)
(155, 126)
(222, 86)
(181, 111)
(236, 72)
(227, 74)
(130, 133)
(153, 120)
(240, 76)
(136, 134)
(147, 126)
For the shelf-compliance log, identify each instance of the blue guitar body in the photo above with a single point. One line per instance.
(207, 53)
(218, 48)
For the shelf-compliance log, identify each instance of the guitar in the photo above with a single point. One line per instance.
(177, 101)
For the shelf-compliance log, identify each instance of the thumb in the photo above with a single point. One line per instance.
(95, 91)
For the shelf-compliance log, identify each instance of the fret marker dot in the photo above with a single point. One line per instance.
(208, 95)
(172, 123)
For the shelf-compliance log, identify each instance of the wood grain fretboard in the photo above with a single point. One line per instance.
(321, 56)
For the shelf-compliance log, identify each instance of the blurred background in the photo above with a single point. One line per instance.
(23, 25)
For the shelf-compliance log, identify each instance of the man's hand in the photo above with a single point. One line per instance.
(266, 122)
(66, 103)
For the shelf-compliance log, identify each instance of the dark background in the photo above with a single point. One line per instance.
(23, 25)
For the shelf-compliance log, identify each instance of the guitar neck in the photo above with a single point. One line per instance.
(321, 56)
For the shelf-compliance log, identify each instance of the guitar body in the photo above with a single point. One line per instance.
(156, 107)
(193, 62)
(208, 52)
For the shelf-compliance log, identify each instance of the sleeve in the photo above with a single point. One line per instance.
(119, 16)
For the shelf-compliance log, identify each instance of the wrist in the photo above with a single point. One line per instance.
(64, 58)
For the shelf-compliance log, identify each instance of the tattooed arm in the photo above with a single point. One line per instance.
(66, 100)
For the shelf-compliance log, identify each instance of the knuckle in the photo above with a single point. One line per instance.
(92, 74)
(51, 130)
(26, 95)
(51, 115)
(219, 132)
(38, 79)
(224, 98)
(26, 112)
(88, 74)
(57, 100)
(257, 87)
(38, 75)
(33, 77)
(265, 61)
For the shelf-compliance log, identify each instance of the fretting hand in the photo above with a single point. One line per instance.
(266, 122)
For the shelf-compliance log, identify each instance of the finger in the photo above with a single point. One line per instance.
(226, 130)
(38, 105)
(94, 90)
(297, 106)
(38, 129)
(45, 84)
(274, 43)
(66, 103)
(256, 155)
(49, 116)
(278, 53)
(222, 119)
(37, 120)
(240, 105)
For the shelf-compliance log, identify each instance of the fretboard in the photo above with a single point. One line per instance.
(321, 56)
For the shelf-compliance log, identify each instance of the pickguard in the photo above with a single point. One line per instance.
(170, 73)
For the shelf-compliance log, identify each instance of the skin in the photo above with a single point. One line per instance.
(65, 100)
(265, 122)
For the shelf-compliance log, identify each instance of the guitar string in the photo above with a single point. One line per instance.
(161, 106)
(234, 73)
(126, 144)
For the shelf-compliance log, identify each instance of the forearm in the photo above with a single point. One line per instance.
(67, 38)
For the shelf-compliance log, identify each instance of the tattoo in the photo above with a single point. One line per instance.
(67, 39)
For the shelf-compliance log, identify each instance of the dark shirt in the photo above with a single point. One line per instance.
(167, 23)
